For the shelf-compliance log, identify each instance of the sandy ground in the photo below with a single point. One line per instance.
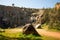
(48, 33)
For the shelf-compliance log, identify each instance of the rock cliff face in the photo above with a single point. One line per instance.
(15, 16)
(57, 6)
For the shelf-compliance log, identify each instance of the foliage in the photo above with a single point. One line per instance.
(52, 17)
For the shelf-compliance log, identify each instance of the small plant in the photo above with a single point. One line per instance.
(29, 37)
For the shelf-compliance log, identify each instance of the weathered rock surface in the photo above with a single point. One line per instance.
(29, 29)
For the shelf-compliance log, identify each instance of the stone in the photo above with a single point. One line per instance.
(29, 29)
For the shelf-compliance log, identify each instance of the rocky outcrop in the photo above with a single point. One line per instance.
(29, 29)
(15, 15)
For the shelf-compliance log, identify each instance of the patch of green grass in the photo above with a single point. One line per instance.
(19, 36)
(49, 38)
(54, 30)
(46, 27)
(30, 37)
(8, 35)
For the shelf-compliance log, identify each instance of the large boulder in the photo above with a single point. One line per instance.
(29, 29)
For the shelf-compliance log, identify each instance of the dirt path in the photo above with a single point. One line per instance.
(48, 33)
(40, 31)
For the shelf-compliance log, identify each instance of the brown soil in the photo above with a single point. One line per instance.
(48, 33)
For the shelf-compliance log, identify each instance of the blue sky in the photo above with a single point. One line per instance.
(30, 3)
